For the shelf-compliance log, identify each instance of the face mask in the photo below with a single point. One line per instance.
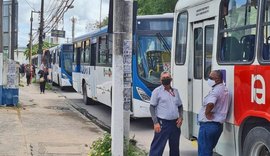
(211, 83)
(166, 81)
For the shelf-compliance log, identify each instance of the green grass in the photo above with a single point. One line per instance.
(48, 86)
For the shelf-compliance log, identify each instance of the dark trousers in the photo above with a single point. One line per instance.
(169, 131)
(42, 86)
(209, 134)
(28, 78)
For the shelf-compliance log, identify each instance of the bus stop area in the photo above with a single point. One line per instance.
(44, 124)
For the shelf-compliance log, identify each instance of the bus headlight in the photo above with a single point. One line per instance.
(143, 95)
(64, 76)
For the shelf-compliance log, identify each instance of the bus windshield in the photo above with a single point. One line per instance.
(67, 59)
(153, 57)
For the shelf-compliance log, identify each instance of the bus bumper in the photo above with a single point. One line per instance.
(140, 109)
(66, 83)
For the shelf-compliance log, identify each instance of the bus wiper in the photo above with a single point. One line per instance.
(165, 43)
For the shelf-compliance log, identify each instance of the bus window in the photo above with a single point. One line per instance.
(102, 51)
(265, 50)
(237, 32)
(93, 54)
(59, 57)
(54, 57)
(87, 51)
(83, 53)
(181, 38)
(209, 34)
(152, 57)
(75, 53)
(198, 53)
(109, 57)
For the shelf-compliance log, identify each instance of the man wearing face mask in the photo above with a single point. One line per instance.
(167, 114)
(212, 114)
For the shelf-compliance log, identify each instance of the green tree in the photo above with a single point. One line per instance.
(92, 26)
(46, 45)
(151, 7)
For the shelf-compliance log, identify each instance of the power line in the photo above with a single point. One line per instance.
(49, 5)
(30, 5)
(59, 14)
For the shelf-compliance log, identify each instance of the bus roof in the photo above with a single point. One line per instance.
(105, 28)
(55, 47)
(160, 16)
(187, 3)
(92, 34)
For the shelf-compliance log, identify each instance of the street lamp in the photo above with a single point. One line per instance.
(31, 36)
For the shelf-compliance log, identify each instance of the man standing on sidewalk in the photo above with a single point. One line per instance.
(167, 114)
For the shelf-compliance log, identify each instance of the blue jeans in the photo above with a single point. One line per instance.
(209, 134)
(169, 131)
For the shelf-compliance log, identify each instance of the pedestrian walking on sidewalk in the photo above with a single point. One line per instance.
(28, 74)
(167, 114)
(212, 114)
(43, 77)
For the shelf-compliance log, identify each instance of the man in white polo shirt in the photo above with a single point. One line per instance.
(213, 114)
(167, 114)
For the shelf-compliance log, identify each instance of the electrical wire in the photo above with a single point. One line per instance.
(30, 5)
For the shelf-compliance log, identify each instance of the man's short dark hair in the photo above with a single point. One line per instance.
(219, 74)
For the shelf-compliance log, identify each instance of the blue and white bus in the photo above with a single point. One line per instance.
(92, 62)
(60, 61)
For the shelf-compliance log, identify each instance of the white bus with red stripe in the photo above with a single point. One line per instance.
(232, 36)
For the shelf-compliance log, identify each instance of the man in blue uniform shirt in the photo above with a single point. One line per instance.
(213, 114)
(167, 114)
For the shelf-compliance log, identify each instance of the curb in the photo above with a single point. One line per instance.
(92, 118)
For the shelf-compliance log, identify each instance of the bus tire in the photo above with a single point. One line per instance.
(54, 84)
(86, 99)
(257, 142)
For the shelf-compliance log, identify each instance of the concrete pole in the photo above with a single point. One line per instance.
(100, 10)
(31, 38)
(73, 20)
(1, 47)
(40, 44)
(13, 27)
(121, 77)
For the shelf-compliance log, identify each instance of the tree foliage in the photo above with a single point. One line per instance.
(46, 45)
(151, 7)
(92, 26)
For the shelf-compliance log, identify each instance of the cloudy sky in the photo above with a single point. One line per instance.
(84, 10)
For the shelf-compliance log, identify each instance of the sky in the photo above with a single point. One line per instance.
(84, 10)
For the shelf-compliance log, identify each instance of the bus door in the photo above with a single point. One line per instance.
(203, 34)
(92, 79)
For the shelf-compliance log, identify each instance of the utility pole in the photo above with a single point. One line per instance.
(1, 46)
(31, 36)
(13, 27)
(40, 44)
(73, 20)
(31, 39)
(100, 10)
(121, 77)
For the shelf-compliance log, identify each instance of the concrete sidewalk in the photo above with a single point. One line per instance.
(45, 125)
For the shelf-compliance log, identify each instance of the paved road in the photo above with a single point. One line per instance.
(140, 129)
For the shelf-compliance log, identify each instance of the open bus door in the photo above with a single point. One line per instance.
(201, 63)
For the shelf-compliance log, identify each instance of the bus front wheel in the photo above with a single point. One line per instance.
(86, 99)
(257, 142)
